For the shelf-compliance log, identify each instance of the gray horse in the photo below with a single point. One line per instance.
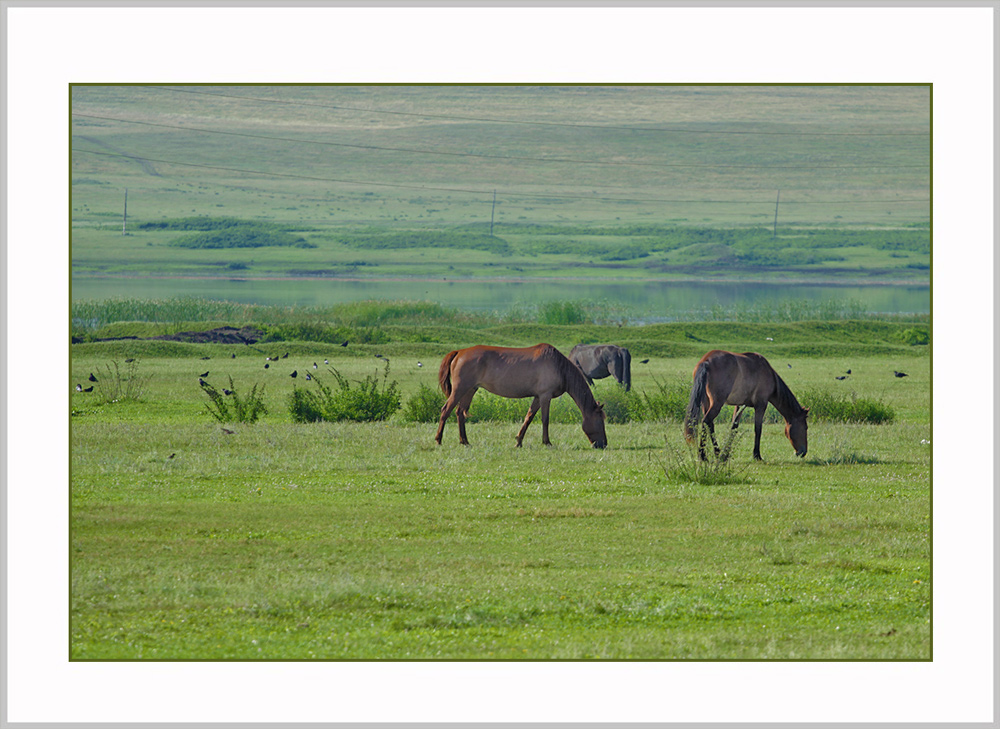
(602, 360)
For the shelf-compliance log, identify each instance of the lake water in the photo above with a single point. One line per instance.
(642, 301)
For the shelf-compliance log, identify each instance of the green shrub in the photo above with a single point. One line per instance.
(370, 401)
(915, 336)
(240, 237)
(665, 402)
(824, 405)
(322, 332)
(233, 407)
(424, 406)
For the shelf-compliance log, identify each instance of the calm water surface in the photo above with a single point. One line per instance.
(649, 301)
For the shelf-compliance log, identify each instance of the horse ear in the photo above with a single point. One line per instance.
(600, 406)
(805, 411)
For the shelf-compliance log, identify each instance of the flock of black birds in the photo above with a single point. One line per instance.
(295, 373)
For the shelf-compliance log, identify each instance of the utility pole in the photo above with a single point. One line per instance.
(493, 210)
(125, 212)
(775, 233)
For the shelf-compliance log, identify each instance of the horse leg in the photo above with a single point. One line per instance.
(758, 426)
(449, 405)
(546, 401)
(462, 414)
(711, 413)
(737, 412)
(532, 409)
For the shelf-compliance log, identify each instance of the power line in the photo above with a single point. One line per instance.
(451, 117)
(513, 158)
(486, 193)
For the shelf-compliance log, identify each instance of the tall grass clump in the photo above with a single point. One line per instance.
(229, 406)
(686, 467)
(370, 400)
(115, 385)
(563, 312)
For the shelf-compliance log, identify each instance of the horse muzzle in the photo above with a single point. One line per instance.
(600, 444)
(801, 454)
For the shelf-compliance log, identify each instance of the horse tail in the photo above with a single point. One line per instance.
(444, 374)
(626, 368)
(698, 391)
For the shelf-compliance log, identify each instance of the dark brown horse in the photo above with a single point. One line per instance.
(540, 372)
(602, 360)
(723, 378)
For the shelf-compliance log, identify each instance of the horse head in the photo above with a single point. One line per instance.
(593, 427)
(796, 430)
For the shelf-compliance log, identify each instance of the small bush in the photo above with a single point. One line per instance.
(424, 406)
(234, 408)
(370, 401)
(915, 336)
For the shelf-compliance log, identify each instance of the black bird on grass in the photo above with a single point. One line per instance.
(206, 358)
(841, 377)
(92, 378)
(308, 376)
(227, 431)
(900, 374)
(233, 355)
(344, 343)
(295, 373)
(130, 359)
(202, 382)
(226, 392)
(89, 389)
(315, 366)
(285, 355)
(848, 372)
(643, 361)
(79, 388)
(203, 374)
(267, 365)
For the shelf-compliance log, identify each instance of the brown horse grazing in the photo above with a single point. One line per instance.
(540, 372)
(723, 378)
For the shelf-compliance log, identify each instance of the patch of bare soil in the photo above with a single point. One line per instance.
(219, 335)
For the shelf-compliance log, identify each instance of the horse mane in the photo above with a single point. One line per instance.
(785, 400)
(575, 381)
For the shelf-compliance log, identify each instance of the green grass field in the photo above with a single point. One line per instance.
(368, 541)
(628, 183)
(198, 539)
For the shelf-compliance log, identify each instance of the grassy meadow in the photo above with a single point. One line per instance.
(196, 539)
(502, 182)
